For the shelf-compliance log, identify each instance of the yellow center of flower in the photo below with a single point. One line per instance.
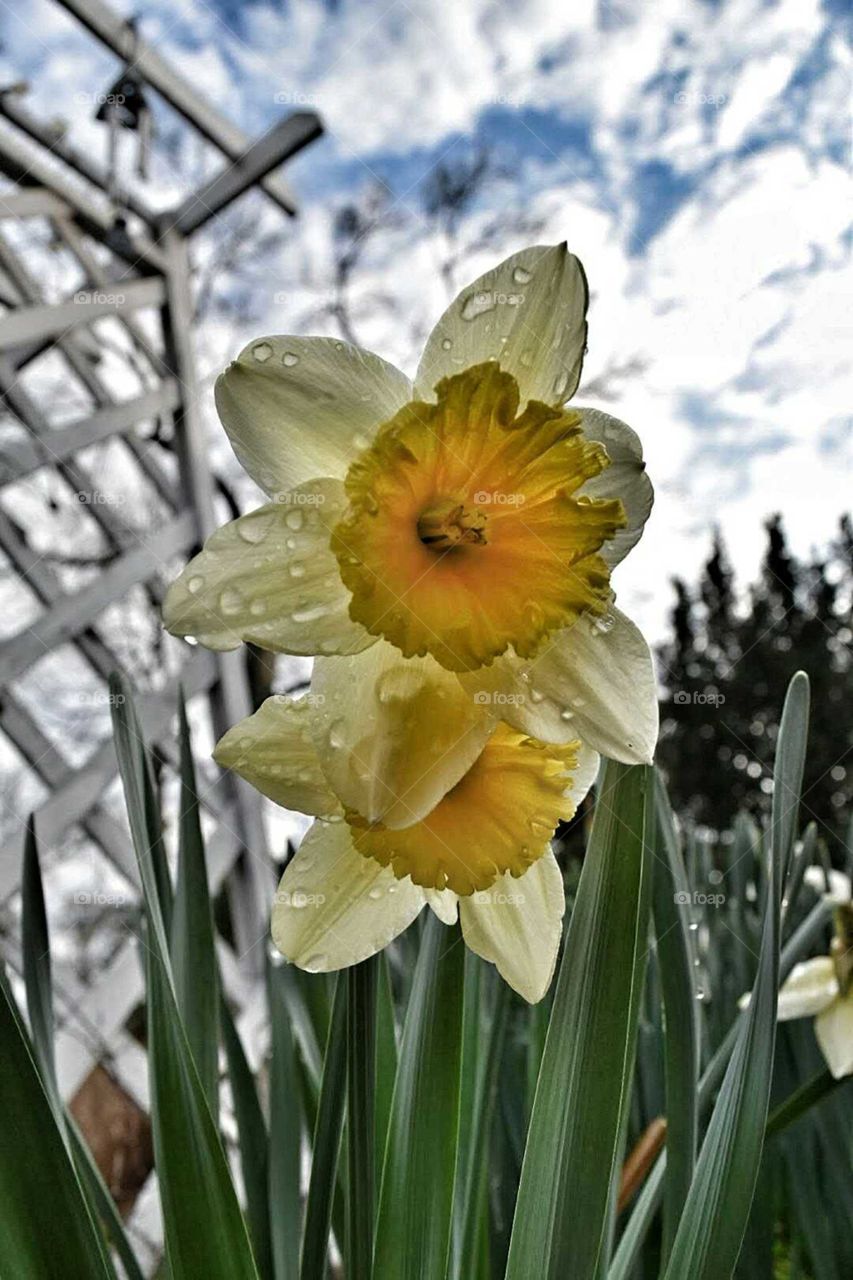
(499, 817)
(466, 530)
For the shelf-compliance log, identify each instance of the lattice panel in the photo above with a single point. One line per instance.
(104, 493)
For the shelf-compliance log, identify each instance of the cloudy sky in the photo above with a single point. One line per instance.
(694, 155)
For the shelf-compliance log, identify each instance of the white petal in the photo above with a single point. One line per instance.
(812, 986)
(301, 407)
(529, 314)
(839, 891)
(274, 751)
(445, 904)
(834, 1031)
(517, 925)
(271, 578)
(394, 734)
(625, 478)
(584, 776)
(334, 907)
(587, 682)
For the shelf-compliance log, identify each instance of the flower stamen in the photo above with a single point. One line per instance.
(450, 524)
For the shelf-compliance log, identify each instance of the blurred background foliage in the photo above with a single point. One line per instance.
(728, 654)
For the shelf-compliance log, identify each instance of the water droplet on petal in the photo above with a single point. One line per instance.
(195, 585)
(297, 569)
(521, 276)
(601, 626)
(477, 304)
(561, 383)
(231, 600)
(254, 528)
(316, 963)
(375, 893)
(290, 359)
(294, 519)
(312, 614)
(336, 735)
(262, 352)
(397, 683)
(446, 344)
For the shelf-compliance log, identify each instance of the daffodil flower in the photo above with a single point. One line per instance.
(822, 989)
(468, 517)
(457, 816)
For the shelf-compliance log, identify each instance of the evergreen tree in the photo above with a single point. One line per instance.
(725, 671)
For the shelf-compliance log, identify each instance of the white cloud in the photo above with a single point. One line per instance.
(732, 316)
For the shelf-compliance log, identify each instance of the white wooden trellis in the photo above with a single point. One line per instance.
(136, 274)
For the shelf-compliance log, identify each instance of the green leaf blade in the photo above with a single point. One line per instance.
(205, 1232)
(325, 1150)
(574, 1139)
(716, 1213)
(681, 1041)
(416, 1197)
(192, 939)
(44, 1214)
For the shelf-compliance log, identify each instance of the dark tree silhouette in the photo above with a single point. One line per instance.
(725, 671)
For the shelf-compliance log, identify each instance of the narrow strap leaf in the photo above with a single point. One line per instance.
(416, 1197)
(715, 1216)
(681, 1040)
(37, 981)
(42, 1208)
(205, 1231)
(254, 1142)
(191, 944)
(285, 1134)
(36, 961)
(361, 992)
(577, 1126)
(325, 1149)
